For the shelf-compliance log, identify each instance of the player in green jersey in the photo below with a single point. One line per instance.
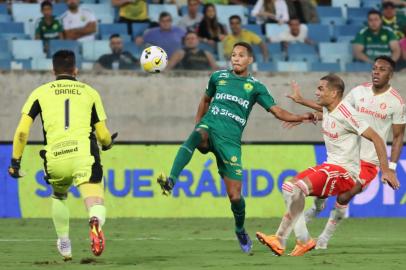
(221, 117)
(70, 112)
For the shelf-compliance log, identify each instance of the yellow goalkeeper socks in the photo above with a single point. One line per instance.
(98, 211)
(60, 216)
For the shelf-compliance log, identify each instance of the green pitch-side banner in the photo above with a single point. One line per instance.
(130, 173)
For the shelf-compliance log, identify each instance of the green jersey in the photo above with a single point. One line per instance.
(375, 44)
(48, 31)
(397, 24)
(233, 99)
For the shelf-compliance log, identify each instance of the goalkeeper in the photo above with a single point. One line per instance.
(70, 112)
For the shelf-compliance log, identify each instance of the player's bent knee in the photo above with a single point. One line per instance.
(92, 190)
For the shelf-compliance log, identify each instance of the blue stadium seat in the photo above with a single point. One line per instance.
(14, 36)
(154, 10)
(59, 8)
(89, 1)
(183, 9)
(274, 29)
(325, 67)
(56, 45)
(268, 66)
(103, 12)
(139, 28)
(375, 4)
(3, 8)
(358, 67)
(330, 15)
(11, 27)
(335, 52)
(284, 66)
(224, 12)
(112, 28)
(28, 14)
(20, 51)
(346, 3)
(346, 32)
(5, 18)
(302, 52)
(41, 64)
(357, 16)
(21, 64)
(275, 52)
(254, 28)
(4, 50)
(133, 49)
(5, 64)
(92, 50)
(319, 32)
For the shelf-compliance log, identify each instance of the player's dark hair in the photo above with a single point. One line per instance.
(335, 83)
(387, 59)
(245, 45)
(374, 11)
(234, 17)
(294, 18)
(114, 36)
(164, 14)
(45, 4)
(64, 62)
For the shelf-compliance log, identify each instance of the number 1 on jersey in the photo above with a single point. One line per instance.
(67, 103)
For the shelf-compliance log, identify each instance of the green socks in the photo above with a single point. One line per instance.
(238, 209)
(98, 211)
(60, 216)
(185, 154)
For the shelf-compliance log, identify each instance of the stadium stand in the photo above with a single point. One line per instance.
(339, 23)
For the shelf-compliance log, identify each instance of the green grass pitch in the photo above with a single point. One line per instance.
(198, 244)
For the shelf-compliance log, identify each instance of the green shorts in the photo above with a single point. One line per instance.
(227, 152)
(62, 173)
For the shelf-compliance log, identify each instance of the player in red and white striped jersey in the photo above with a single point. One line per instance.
(384, 109)
(342, 127)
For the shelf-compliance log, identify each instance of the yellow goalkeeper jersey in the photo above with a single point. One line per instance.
(69, 109)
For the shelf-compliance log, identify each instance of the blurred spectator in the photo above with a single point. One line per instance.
(210, 30)
(399, 3)
(131, 11)
(238, 34)
(191, 20)
(375, 40)
(117, 59)
(166, 36)
(304, 10)
(216, 2)
(191, 57)
(48, 27)
(271, 11)
(402, 65)
(78, 23)
(297, 33)
(396, 22)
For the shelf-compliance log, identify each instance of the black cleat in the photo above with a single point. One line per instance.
(166, 184)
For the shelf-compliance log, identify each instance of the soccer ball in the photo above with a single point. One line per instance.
(154, 59)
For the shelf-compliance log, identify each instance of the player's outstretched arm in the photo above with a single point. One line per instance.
(297, 97)
(203, 108)
(398, 131)
(103, 135)
(20, 140)
(388, 176)
(286, 116)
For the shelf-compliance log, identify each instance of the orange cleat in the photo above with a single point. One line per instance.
(301, 248)
(272, 241)
(96, 237)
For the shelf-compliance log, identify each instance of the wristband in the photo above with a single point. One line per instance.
(392, 165)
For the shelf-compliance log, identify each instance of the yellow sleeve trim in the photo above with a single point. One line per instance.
(21, 135)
